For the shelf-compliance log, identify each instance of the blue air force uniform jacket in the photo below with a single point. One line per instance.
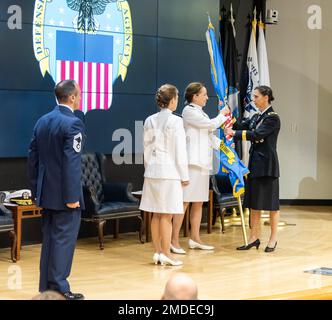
(54, 161)
(262, 130)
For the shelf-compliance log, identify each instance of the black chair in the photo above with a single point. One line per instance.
(223, 198)
(106, 201)
(7, 225)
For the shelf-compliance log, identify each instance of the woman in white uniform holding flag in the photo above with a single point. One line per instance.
(200, 144)
(166, 171)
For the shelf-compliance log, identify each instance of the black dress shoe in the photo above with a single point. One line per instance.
(268, 249)
(250, 245)
(73, 296)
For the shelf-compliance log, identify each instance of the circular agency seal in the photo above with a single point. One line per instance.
(89, 41)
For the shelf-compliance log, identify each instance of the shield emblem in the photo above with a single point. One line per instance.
(86, 41)
(87, 59)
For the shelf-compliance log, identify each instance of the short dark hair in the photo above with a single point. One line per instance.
(266, 91)
(192, 89)
(64, 89)
(165, 94)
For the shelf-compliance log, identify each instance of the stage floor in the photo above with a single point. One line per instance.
(124, 269)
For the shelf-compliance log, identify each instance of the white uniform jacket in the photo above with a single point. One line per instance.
(200, 138)
(165, 155)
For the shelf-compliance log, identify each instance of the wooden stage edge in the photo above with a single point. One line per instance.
(124, 269)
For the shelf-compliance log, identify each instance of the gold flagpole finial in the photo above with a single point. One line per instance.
(232, 20)
(208, 14)
(255, 13)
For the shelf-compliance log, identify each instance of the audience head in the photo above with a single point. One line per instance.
(180, 287)
(49, 295)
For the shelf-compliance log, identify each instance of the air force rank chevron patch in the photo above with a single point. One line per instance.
(77, 142)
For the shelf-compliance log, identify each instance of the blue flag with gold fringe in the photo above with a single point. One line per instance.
(233, 166)
(229, 160)
(218, 74)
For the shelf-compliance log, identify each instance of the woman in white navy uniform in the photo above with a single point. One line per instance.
(200, 144)
(166, 171)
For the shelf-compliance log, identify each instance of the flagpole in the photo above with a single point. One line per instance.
(228, 158)
(242, 221)
(232, 20)
(208, 14)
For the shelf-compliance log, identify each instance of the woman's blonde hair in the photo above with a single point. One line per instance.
(165, 94)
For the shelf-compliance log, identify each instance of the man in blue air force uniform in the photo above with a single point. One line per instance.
(54, 164)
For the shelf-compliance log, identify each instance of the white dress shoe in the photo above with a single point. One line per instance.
(177, 250)
(195, 245)
(164, 260)
(155, 258)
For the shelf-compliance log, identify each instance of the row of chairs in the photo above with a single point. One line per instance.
(113, 201)
(106, 201)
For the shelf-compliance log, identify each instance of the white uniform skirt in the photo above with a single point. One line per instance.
(198, 188)
(162, 196)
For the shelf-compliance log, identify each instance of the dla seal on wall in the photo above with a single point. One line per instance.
(89, 41)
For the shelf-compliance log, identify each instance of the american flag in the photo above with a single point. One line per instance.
(87, 59)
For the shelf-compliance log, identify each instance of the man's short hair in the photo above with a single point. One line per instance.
(64, 89)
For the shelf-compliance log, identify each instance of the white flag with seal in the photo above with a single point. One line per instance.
(263, 64)
(253, 82)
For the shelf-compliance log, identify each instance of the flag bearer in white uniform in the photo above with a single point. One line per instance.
(166, 171)
(200, 144)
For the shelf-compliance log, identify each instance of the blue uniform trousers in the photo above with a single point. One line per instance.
(60, 230)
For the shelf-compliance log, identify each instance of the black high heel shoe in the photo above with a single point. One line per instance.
(268, 249)
(250, 245)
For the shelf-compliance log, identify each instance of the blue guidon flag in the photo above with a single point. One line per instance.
(89, 65)
(229, 160)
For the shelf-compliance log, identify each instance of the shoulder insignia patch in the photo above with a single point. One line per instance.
(77, 142)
